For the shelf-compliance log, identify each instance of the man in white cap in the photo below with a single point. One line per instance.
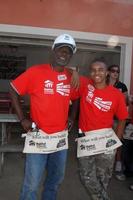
(48, 86)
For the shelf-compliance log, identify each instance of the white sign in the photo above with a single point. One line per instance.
(41, 142)
(96, 142)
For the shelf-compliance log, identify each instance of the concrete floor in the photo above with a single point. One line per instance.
(71, 189)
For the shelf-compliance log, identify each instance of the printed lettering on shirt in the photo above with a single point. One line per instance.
(102, 105)
(90, 93)
(91, 88)
(89, 96)
(62, 77)
(98, 102)
(48, 87)
(62, 89)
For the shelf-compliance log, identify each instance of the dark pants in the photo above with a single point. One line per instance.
(95, 173)
(128, 156)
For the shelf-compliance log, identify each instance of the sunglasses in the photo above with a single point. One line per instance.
(114, 71)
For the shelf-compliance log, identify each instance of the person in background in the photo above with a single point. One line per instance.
(48, 86)
(113, 79)
(99, 103)
(131, 102)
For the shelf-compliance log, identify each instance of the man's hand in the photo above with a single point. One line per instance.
(120, 128)
(75, 82)
(70, 124)
(26, 124)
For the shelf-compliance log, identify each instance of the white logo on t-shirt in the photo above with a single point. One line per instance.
(62, 89)
(48, 87)
(48, 84)
(98, 102)
(91, 88)
(90, 93)
(102, 105)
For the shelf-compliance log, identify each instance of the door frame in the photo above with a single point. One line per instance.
(28, 32)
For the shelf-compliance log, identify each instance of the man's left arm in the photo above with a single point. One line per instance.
(120, 128)
(75, 77)
(122, 115)
(73, 114)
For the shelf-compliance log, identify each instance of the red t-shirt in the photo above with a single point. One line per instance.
(99, 106)
(49, 96)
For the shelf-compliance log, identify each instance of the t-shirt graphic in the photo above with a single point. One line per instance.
(102, 105)
(48, 87)
(62, 89)
(98, 102)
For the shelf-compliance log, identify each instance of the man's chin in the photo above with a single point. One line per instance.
(97, 80)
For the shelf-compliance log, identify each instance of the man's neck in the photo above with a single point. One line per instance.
(57, 68)
(100, 85)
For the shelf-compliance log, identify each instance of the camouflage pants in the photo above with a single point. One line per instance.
(95, 173)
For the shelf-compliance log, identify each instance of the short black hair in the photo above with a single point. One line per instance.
(112, 66)
(101, 60)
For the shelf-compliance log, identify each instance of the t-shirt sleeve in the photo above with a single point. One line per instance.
(77, 93)
(121, 111)
(74, 94)
(124, 88)
(22, 83)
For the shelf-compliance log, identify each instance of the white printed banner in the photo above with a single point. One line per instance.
(96, 142)
(40, 142)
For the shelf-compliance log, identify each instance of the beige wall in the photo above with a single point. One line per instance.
(99, 16)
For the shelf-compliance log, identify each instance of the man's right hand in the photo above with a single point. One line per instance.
(26, 124)
(70, 124)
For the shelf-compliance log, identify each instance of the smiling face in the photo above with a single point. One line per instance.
(61, 56)
(98, 73)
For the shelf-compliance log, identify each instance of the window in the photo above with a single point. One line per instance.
(11, 66)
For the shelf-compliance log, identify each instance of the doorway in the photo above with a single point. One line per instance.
(115, 49)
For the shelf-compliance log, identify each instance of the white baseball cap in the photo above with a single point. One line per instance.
(65, 40)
